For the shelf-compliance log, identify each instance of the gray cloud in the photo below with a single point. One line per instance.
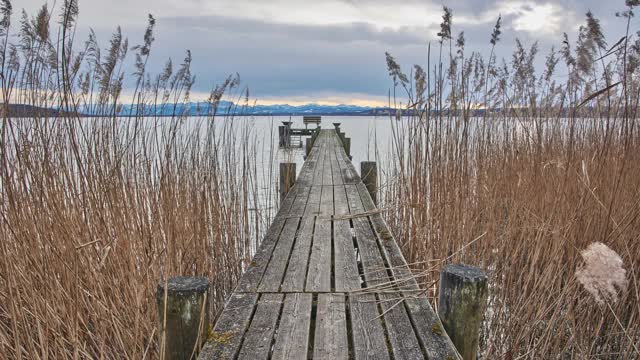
(336, 33)
(285, 48)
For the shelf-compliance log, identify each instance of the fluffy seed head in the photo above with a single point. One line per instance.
(602, 274)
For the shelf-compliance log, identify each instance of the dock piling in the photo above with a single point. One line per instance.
(309, 145)
(187, 316)
(347, 147)
(461, 306)
(287, 178)
(369, 175)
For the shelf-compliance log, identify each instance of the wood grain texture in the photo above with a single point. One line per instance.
(369, 341)
(293, 332)
(257, 340)
(331, 340)
(228, 333)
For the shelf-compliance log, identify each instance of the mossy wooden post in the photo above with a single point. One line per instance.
(461, 306)
(369, 175)
(187, 316)
(287, 178)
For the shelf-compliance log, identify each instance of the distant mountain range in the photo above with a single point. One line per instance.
(224, 108)
(205, 108)
(227, 107)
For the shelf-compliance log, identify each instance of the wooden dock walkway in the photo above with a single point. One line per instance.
(324, 283)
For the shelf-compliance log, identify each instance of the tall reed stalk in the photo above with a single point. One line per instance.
(96, 210)
(518, 172)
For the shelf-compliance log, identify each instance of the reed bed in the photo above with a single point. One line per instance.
(96, 210)
(524, 188)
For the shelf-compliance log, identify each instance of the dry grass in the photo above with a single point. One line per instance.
(96, 211)
(557, 169)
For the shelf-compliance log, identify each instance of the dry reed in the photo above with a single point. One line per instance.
(550, 167)
(97, 210)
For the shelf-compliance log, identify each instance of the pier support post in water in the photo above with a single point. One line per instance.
(369, 175)
(284, 134)
(287, 178)
(461, 306)
(347, 147)
(187, 316)
(309, 144)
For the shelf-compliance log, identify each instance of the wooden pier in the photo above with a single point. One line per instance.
(329, 280)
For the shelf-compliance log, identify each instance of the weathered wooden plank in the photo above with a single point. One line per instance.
(300, 202)
(349, 173)
(326, 201)
(429, 329)
(373, 264)
(353, 198)
(367, 202)
(336, 169)
(295, 277)
(292, 341)
(402, 338)
(313, 202)
(228, 332)
(252, 276)
(331, 328)
(305, 178)
(319, 170)
(274, 273)
(369, 341)
(391, 252)
(340, 202)
(327, 175)
(319, 274)
(308, 170)
(345, 264)
(257, 341)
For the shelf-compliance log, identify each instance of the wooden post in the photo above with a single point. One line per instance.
(347, 146)
(287, 135)
(369, 175)
(309, 144)
(287, 178)
(187, 316)
(281, 136)
(461, 306)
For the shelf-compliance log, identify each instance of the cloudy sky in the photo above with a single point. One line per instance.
(325, 51)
